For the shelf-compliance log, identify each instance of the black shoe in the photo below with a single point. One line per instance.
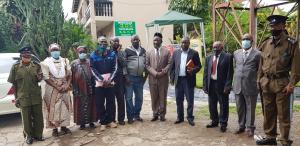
(29, 140)
(92, 125)
(178, 121)
(39, 138)
(139, 119)
(130, 121)
(266, 141)
(211, 125)
(65, 130)
(191, 122)
(223, 129)
(82, 127)
(121, 123)
(55, 133)
(239, 131)
(162, 118)
(155, 118)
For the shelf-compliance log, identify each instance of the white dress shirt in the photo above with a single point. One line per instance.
(183, 58)
(215, 76)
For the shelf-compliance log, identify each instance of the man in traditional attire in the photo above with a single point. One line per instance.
(84, 101)
(57, 100)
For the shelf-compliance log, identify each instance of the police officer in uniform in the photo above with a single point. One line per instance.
(25, 76)
(277, 76)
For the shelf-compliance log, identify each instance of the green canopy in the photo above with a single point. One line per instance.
(173, 17)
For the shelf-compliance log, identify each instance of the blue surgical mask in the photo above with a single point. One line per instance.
(82, 56)
(246, 44)
(101, 48)
(55, 54)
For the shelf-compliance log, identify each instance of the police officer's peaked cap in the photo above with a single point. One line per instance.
(25, 49)
(276, 19)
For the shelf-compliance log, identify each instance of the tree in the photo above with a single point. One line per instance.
(41, 23)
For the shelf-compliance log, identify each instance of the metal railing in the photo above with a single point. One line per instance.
(103, 8)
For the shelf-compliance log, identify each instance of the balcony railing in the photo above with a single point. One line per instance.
(103, 8)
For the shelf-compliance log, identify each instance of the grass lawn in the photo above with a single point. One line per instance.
(199, 79)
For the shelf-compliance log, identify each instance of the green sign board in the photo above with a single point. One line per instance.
(124, 28)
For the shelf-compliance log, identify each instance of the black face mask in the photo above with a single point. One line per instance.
(276, 32)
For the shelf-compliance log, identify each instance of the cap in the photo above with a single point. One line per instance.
(276, 19)
(25, 49)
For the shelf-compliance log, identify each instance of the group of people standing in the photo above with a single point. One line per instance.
(111, 75)
(271, 71)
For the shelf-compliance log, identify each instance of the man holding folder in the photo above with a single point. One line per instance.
(185, 64)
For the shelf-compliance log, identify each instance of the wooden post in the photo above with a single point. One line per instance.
(252, 24)
(214, 20)
(298, 23)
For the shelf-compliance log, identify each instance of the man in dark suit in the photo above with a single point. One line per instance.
(185, 64)
(217, 80)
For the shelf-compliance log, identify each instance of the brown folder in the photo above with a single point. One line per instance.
(190, 64)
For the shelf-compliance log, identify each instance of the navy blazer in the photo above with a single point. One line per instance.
(224, 74)
(175, 66)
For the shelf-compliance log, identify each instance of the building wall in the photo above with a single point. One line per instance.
(142, 12)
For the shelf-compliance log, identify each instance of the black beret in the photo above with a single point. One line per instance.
(25, 49)
(276, 19)
(158, 35)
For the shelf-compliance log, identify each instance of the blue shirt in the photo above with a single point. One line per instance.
(107, 63)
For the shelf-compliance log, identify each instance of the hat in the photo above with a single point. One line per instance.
(158, 34)
(276, 19)
(25, 49)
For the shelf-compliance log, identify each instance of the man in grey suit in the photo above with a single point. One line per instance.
(244, 86)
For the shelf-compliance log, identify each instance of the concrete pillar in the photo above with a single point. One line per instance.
(93, 21)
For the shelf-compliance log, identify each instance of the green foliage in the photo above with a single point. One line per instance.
(41, 23)
(74, 35)
(7, 27)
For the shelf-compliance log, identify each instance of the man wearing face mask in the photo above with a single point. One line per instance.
(135, 77)
(158, 63)
(244, 86)
(57, 99)
(278, 73)
(25, 76)
(217, 80)
(104, 68)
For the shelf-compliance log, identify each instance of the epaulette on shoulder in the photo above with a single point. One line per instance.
(292, 40)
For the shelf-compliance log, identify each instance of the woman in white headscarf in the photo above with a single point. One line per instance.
(57, 100)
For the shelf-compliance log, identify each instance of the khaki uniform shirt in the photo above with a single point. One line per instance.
(24, 79)
(280, 59)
